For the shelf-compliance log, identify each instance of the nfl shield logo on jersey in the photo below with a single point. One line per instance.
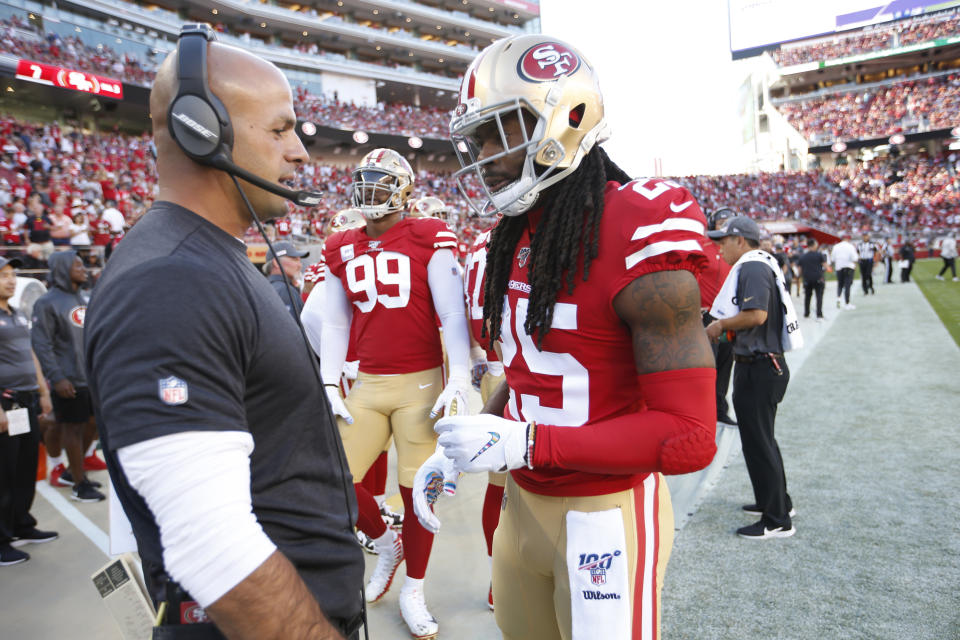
(598, 575)
(173, 391)
(522, 256)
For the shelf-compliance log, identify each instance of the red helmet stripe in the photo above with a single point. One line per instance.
(472, 83)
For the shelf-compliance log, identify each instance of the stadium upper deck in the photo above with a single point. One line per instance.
(409, 52)
(886, 38)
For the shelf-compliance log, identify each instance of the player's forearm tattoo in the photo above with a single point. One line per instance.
(663, 311)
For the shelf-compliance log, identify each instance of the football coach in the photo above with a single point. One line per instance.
(220, 444)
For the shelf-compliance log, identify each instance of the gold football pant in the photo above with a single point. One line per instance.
(397, 405)
(530, 575)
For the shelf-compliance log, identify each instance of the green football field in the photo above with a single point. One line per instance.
(943, 296)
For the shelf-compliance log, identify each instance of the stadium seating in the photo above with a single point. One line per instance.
(907, 107)
(800, 195)
(397, 119)
(917, 192)
(899, 34)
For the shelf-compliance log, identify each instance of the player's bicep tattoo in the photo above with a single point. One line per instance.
(662, 310)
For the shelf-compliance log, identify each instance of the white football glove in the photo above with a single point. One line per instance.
(435, 477)
(337, 405)
(453, 398)
(484, 442)
(478, 366)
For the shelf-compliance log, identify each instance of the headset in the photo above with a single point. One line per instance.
(201, 127)
(723, 213)
(200, 124)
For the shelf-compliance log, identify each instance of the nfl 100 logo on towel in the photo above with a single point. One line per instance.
(173, 391)
(597, 565)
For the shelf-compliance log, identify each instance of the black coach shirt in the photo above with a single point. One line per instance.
(757, 289)
(184, 334)
(811, 266)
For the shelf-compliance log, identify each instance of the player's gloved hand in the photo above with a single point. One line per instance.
(478, 366)
(435, 477)
(337, 405)
(484, 442)
(453, 398)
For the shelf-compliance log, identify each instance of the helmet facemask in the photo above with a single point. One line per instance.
(519, 195)
(378, 192)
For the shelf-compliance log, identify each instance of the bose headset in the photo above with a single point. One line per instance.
(200, 125)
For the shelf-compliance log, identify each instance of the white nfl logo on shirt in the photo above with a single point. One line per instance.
(173, 391)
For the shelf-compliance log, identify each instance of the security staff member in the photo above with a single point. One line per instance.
(21, 386)
(218, 441)
(761, 375)
(286, 257)
(867, 250)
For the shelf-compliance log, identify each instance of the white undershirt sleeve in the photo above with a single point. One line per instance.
(312, 315)
(335, 335)
(197, 485)
(446, 288)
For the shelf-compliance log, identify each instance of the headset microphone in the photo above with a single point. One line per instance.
(302, 198)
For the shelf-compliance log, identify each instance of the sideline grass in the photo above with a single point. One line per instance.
(944, 296)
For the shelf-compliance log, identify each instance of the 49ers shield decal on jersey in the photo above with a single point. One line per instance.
(546, 62)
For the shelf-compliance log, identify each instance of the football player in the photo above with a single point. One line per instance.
(376, 478)
(391, 279)
(591, 291)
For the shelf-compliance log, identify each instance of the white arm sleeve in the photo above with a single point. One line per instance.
(197, 485)
(335, 334)
(312, 315)
(446, 288)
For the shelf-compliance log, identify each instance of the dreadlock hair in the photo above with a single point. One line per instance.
(566, 235)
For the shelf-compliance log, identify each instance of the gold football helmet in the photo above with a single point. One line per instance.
(429, 207)
(346, 219)
(545, 83)
(382, 183)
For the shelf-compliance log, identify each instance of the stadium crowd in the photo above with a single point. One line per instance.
(899, 34)
(22, 40)
(80, 179)
(396, 119)
(795, 195)
(916, 191)
(59, 186)
(904, 107)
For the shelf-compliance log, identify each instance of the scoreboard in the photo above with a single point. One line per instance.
(69, 79)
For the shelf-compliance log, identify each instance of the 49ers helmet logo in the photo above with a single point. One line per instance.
(547, 61)
(77, 314)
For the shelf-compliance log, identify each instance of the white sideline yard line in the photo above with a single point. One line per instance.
(94, 533)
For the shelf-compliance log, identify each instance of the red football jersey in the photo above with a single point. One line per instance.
(712, 277)
(473, 279)
(386, 281)
(585, 371)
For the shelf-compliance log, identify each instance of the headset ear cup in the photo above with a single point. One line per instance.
(226, 127)
(195, 126)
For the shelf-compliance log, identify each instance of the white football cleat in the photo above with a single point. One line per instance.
(413, 609)
(390, 557)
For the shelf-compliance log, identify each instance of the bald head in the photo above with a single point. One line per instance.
(237, 77)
